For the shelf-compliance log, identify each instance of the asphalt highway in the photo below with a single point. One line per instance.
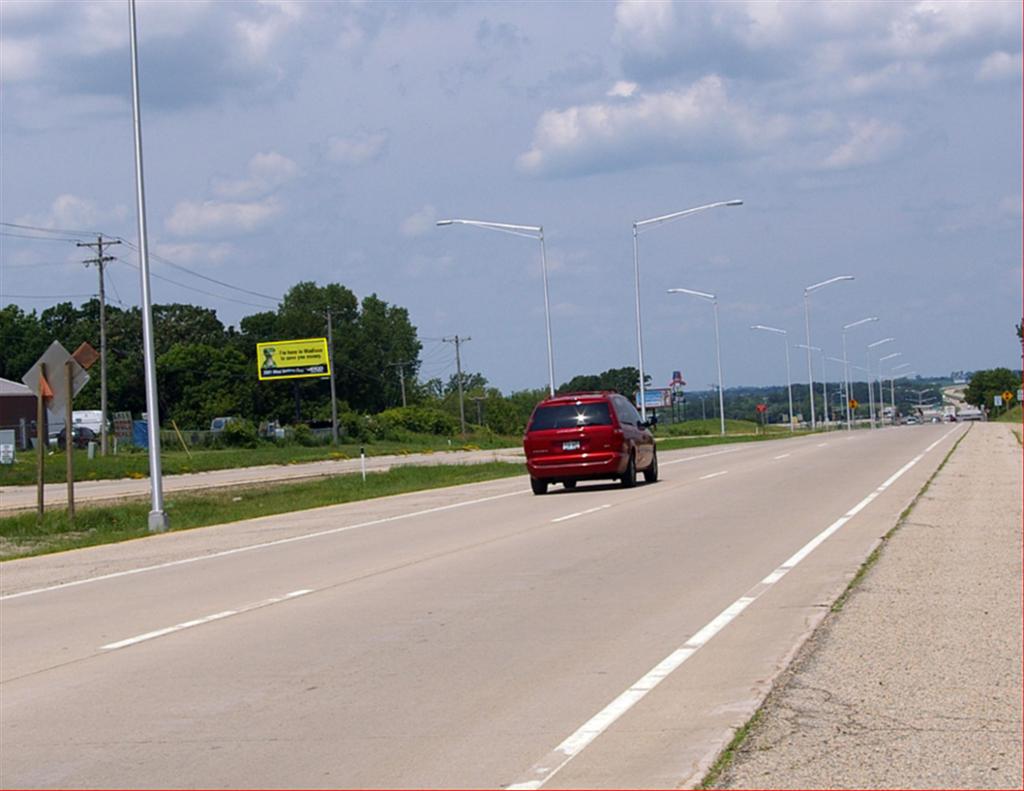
(476, 636)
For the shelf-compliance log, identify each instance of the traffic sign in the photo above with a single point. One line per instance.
(1007, 396)
(54, 358)
(854, 403)
(762, 408)
(997, 400)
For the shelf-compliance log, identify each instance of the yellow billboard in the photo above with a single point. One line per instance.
(293, 359)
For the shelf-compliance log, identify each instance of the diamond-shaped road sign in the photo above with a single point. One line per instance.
(54, 358)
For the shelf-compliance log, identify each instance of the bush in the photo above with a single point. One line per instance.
(396, 423)
(304, 436)
(240, 434)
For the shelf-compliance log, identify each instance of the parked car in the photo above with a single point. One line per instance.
(586, 436)
(81, 436)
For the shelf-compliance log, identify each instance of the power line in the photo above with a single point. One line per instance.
(170, 263)
(193, 288)
(39, 238)
(45, 296)
(46, 230)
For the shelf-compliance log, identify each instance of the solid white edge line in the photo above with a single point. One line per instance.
(264, 545)
(200, 621)
(713, 475)
(553, 763)
(581, 513)
(783, 456)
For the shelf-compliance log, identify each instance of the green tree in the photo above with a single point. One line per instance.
(621, 380)
(984, 385)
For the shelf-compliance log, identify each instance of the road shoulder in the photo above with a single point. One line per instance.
(916, 681)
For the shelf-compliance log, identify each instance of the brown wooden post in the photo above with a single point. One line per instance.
(40, 443)
(69, 442)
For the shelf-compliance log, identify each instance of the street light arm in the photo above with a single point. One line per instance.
(702, 294)
(529, 231)
(879, 343)
(805, 346)
(858, 323)
(666, 217)
(890, 356)
(768, 329)
(824, 283)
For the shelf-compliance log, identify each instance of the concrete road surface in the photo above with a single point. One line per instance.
(476, 636)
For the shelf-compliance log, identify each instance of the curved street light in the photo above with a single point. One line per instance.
(718, 346)
(637, 227)
(530, 232)
(871, 384)
(789, 377)
(846, 363)
(807, 322)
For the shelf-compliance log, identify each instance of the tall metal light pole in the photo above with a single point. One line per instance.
(846, 363)
(824, 383)
(892, 385)
(530, 232)
(637, 227)
(158, 521)
(871, 384)
(789, 377)
(807, 322)
(881, 386)
(718, 347)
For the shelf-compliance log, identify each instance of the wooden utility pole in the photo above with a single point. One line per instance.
(99, 261)
(458, 368)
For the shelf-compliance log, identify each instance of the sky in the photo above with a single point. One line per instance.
(289, 141)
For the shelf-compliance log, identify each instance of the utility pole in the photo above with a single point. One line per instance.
(479, 411)
(330, 364)
(458, 368)
(401, 377)
(99, 261)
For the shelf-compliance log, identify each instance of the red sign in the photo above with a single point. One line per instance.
(762, 408)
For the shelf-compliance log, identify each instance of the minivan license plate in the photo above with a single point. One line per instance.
(571, 445)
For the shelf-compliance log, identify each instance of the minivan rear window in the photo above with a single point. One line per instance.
(571, 416)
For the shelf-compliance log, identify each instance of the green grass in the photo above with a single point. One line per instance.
(1012, 415)
(22, 536)
(173, 461)
(677, 443)
(712, 426)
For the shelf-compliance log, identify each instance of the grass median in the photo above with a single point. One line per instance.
(134, 463)
(22, 536)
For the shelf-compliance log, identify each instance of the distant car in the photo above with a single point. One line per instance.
(912, 421)
(587, 436)
(81, 436)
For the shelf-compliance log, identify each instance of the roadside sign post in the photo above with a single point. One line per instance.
(40, 440)
(59, 393)
(69, 440)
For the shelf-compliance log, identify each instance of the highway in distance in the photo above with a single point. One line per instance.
(475, 636)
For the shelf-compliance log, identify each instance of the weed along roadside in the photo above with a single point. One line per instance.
(22, 536)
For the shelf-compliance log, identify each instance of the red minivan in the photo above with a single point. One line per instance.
(583, 436)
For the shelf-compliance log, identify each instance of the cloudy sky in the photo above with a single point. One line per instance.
(289, 141)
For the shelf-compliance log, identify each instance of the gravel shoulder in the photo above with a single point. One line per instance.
(917, 681)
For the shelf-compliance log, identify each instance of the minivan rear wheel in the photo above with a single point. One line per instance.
(629, 476)
(538, 486)
(651, 473)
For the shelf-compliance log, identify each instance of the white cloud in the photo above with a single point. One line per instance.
(195, 252)
(357, 149)
(75, 213)
(701, 121)
(418, 223)
(622, 89)
(213, 217)
(870, 141)
(1000, 66)
(265, 173)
